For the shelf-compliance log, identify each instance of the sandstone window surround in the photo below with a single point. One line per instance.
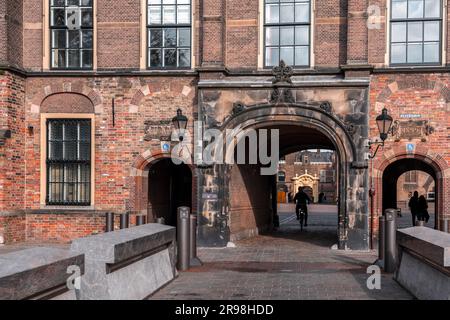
(416, 32)
(168, 34)
(287, 32)
(67, 158)
(65, 48)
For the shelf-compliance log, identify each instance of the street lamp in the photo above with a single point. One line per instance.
(384, 124)
(180, 123)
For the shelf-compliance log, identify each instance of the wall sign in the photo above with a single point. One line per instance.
(165, 146)
(410, 147)
(410, 116)
(412, 129)
(157, 130)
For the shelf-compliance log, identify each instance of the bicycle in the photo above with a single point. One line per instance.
(301, 218)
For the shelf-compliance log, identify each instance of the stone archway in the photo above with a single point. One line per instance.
(353, 229)
(139, 197)
(433, 164)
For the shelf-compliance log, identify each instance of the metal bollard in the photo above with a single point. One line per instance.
(381, 239)
(109, 221)
(390, 250)
(183, 238)
(194, 260)
(124, 220)
(161, 220)
(445, 225)
(140, 220)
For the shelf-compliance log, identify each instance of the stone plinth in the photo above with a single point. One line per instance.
(38, 273)
(424, 267)
(128, 264)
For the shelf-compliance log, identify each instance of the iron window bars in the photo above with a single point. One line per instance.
(71, 34)
(169, 34)
(68, 162)
(287, 32)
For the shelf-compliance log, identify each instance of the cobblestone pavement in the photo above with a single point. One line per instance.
(287, 264)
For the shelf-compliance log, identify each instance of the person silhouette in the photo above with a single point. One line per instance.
(413, 205)
(302, 199)
(422, 209)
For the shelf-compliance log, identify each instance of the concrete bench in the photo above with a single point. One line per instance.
(38, 273)
(424, 266)
(128, 264)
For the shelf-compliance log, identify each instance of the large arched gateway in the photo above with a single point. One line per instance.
(248, 207)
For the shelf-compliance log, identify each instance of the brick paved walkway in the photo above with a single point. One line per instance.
(288, 264)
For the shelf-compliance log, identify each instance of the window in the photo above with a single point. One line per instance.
(68, 162)
(169, 34)
(287, 32)
(411, 177)
(281, 176)
(71, 34)
(416, 32)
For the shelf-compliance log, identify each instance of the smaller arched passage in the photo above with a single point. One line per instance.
(434, 165)
(152, 172)
(169, 187)
(393, 172)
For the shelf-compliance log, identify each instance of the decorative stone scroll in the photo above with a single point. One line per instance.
(412, 129)
(157, 130)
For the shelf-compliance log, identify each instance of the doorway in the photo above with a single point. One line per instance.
(170, 187)
(400, 179)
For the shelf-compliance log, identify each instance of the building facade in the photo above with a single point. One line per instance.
(88, 89)
(315, 170)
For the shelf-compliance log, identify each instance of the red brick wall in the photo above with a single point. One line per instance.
(12, 227)
(65, 227)
(116, 148)
(12, 153)
(118, 28)
(11, 34)
(250, 211)
(414, 93)
(3, 33)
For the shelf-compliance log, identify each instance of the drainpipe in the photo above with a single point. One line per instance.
(371, 195)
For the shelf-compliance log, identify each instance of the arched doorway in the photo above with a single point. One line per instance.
(169, 187)
(252, 209)
(391, 176)
(301, 127)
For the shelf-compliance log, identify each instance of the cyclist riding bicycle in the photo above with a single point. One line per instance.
(301, 200)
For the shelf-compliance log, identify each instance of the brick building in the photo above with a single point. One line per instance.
(88, 88)
(313, 169)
